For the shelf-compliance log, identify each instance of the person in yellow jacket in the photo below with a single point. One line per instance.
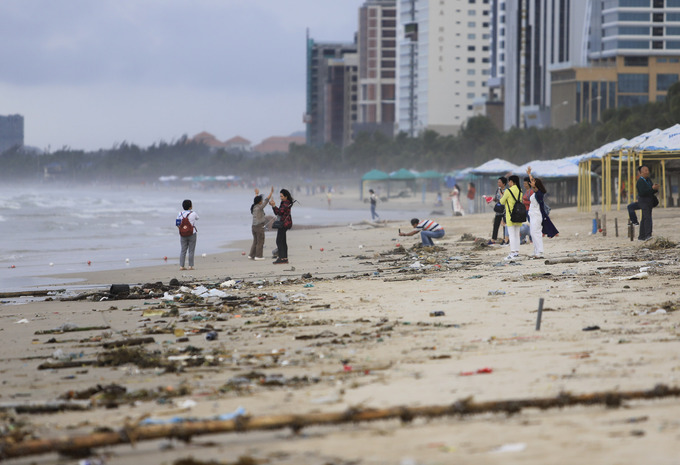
(511, 195)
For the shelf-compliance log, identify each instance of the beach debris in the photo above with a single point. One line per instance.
(187, 429)
(481, 371)
(496, 292)
(641, 275)
(119, 290)
(660, 243)
(437, 313)
(555, 261)
(71, 327)
(211, 336)
(591, 328)
(129, 342)
(513, 447)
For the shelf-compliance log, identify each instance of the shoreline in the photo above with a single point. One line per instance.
(349, 327)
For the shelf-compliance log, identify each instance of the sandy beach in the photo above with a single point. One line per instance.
(346, 326)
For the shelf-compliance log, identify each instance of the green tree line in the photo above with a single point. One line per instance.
(478, 141)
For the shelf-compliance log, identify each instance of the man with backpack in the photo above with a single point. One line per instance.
(186, 224)
(515, 214)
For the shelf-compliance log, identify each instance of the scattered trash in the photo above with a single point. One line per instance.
(437, 313)
(210, 335)
(496, 292)
(515, 447)
(591, 328)
(641, 275)
(481, 371)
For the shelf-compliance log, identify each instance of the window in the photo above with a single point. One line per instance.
(471, 83)
(664, 81)
(634, 3)
(471, 95)
(657, 44)
(472, 36)
(471, 48)
(470, 60)
(634, 44)
(471, 72)
(472, 24)
(673, 31)
(635, 61)
(657, 3)
(632, 100)
(634, 30)
(634, 83)
(657, 31)
(472, 13)
(657, 17)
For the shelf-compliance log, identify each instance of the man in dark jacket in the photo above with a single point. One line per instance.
(646, 200)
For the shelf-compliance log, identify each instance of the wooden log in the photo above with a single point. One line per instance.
(69, 330)
(137, 341)
(65, 364)
(186, 430)
(36, 293)
(46, 407)
(555, 261)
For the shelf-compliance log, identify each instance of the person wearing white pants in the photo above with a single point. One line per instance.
(536, 226)
(512, 195)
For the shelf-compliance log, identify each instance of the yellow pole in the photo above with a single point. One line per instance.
(663, 182)
(590, 186)
(618, 188)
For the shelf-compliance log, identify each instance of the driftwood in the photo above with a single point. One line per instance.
(36, 293)
(46, 407)
(70, 330)
(555, 261)
(185, 430)
(129, 342)
(66, 364)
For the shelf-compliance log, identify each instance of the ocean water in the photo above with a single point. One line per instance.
(50, 230)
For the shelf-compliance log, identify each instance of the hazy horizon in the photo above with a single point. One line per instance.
(91, 75)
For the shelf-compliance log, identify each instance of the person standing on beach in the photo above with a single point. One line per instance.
(187, 233)
(471, 192)
(428, 230)
(455, 201)
(500, 211)
(512, 195)
(528, 192)
(374, 202)
(259, 220)
(646, 200)
(283, 211)
(540, 222)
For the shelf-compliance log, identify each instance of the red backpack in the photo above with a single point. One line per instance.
(185, 227)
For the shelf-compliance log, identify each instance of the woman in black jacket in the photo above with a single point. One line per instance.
(283, 212)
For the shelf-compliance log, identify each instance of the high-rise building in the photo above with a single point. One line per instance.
(11, 132)
(340, 99)
(319, 56)
(443, 63)
(566, 61)
(377, 40)
(633, 56)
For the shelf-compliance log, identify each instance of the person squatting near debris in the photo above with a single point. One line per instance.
(374, 201)
(283, 211)
(498, 208)
(187, 234)
(646, 200)
(428, 230)
(259, 220)
(539, 221)
(512, 195)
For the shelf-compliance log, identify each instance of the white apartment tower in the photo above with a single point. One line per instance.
(443, 63)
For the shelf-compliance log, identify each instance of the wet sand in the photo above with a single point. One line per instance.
(347, 325)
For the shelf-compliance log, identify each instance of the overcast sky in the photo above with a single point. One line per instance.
(89, 74)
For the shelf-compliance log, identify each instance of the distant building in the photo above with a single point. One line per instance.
(340, 99)
(377, 37)
(278, 144)
(443, 63)
(320, 57)
(237, 144)
(11, 132)
(208, 139)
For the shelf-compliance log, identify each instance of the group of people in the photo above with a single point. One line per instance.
(186, 224)
(508, 193)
